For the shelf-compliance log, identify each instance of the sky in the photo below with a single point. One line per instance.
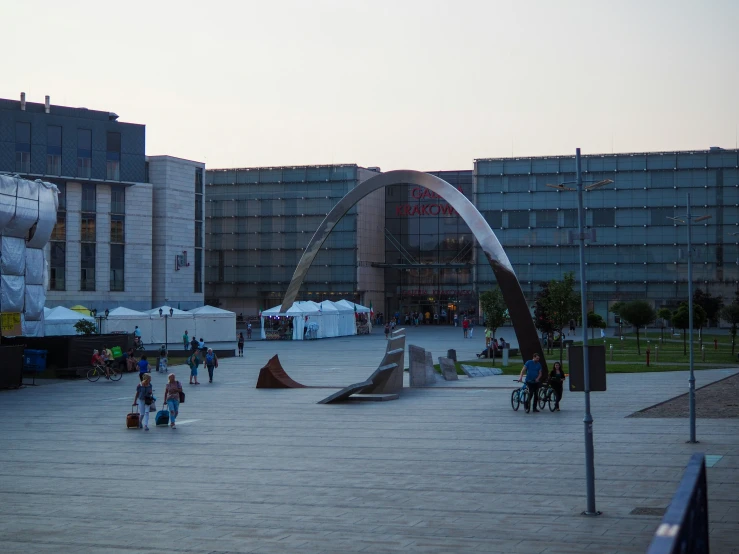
(403, 84)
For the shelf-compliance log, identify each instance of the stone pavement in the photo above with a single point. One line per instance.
(449, 468)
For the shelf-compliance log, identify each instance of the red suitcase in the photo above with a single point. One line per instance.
(133, 418)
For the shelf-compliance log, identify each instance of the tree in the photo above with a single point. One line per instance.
(595, 321)
(730, 313)
(542, 321)
(711, 304)
(681, 319)
(85, 327)
(615, 309)
(562, 304)
(638, 313)
(494, 310)
(663, 314)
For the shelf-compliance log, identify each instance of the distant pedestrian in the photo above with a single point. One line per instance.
(533, 371)
(201, 344)
(556, 379)
(162, 359)
(211, 362)
(144, 368)
(248, 330)
(572, 327)
(471, 328)
(436, 318)
(456, 320)
(241, 345)
(465, 327)
(387, 330)
(194, 361)
(194, 344)
(137, 332)
(144, 397)
(185, 341)
(172, 398)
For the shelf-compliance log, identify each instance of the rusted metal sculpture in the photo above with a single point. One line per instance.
(518, 308)
(274, 376)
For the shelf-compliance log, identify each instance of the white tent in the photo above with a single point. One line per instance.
(360, 309)
(298, 311)
(214, 324)
(347, 319)
(176, 324)
(125, 320)
(61, 320)
(329, 321)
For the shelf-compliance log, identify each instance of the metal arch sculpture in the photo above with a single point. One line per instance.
(518, 308)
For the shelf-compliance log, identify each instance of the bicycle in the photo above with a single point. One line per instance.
(96, 371)
(520, 395)
(547, 395)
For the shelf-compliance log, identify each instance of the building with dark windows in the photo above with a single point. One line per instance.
(638, 251)
(259, 220)
(415, 254)
(114, 243)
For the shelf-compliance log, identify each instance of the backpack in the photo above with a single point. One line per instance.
(209, 359)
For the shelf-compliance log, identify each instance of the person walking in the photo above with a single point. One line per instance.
(172, 398)
(533, 371)
(194, 361)
(572, 327)
(211, 362)
(248, 330)
(456, 320)
(144, 397)
(163, 359)
(185, 342)
(465, 327)
(387, 330)
(144, 368)
(556, 380)
(471, 328)
(241, 345)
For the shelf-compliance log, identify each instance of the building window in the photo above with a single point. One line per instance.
(199, 190)
(117, 252)
(89, 203)
(146, 172)
(518, 219)
(22, 147)
(117, 228)
(57, 265)
(603, 217)
(87, 228)
(117, 199)
(60, 229)
(659, 216)
(113, 157)
(53, 150)
(495, 219)
(546, 218)
(87, 266)
(84, 153)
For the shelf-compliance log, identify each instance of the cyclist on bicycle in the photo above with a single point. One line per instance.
(534, 372)
(98, 360)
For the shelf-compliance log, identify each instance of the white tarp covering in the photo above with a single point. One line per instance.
(48, 202)
(176, 324)
(32, 328)
(298, 311)
(329, 320)
(347, 319)
(12, 256)
(61, 320)
(125, 320)
(35, 299)
(34, 266)
(8, 190)
(12, 289)
(26, 209)
(214, 324)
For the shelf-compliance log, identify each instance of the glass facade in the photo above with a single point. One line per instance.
(637, 252)
(429, 251)
(257, 223)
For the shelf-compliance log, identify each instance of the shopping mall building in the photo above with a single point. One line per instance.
(404, 249)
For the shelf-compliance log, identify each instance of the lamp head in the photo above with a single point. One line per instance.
(599, 184)
(171, 311)
(160, 312)
(107, 311)
(703, 218)
(93, 312)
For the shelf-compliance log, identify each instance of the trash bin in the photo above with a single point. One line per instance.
(34, 360)
(451, 354)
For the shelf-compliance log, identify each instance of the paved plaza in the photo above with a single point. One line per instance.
(449, 468)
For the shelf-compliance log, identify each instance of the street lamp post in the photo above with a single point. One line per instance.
(688, 219)
(588, 419)
(99, 319)
(166, 316)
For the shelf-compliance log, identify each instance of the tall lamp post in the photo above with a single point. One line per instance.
(99, 319)
(581, 236)
(166, 316)
(688, 218)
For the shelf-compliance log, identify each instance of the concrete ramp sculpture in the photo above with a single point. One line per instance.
(363, 390)
(518, 308)
(274, 376)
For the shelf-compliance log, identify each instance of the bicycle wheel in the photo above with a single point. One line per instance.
(115, 375)
(93, 374)
(515, 400)
(542, 395)
(552, 400)
(525, 400)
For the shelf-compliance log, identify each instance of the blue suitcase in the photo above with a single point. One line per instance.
(162, 417)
